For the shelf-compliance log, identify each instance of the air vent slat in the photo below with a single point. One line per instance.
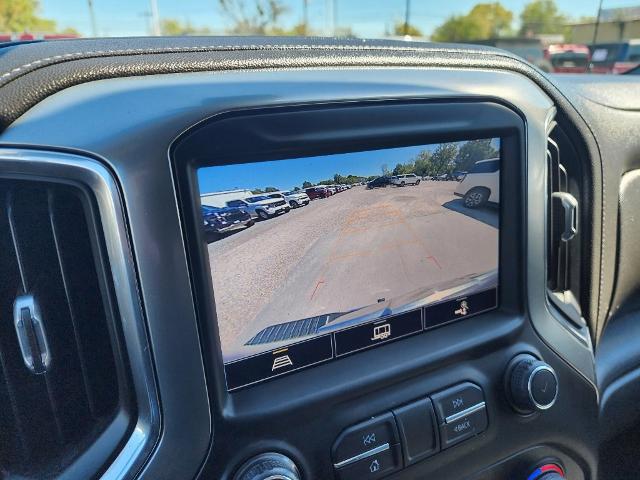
(34, 235)
(78, 262)
(563, 248)
(15, 247)
(50, 261)
(11, 422)
(66, 283)
(36, 405)
(15, 421)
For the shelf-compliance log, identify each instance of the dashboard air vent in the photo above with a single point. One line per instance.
(61, 374)
(563, 249)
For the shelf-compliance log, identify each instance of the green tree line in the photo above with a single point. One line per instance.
(264, 17)
(446, 158)
(493, 20)
(19, 16)
(483, 21)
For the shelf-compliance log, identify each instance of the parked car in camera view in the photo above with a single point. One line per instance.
(406, 179)
(317, 192)
(481, 185)
(261, 206)
(295, 199)
(379, 182)
(218, 220)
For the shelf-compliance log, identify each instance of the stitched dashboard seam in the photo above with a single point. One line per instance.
(53, 59)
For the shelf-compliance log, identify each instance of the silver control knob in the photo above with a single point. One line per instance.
(268, 466)
(531, 384)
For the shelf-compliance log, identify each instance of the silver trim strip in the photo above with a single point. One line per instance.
(467, 411)
(362, 456)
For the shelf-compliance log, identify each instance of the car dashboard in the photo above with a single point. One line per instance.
(117, 362)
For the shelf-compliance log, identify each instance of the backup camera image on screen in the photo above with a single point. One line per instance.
(318, 257)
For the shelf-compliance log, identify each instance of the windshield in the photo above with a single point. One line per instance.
(527, 29)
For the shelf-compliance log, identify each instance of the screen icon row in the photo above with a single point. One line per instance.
(287, 359)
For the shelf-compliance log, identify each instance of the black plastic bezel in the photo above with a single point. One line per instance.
(254, 135)
(292, 131)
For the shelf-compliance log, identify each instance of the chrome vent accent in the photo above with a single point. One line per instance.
(63, 375)
(32, 337)
(563, 248)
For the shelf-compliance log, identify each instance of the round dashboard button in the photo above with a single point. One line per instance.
(531, 384)
(544, 386)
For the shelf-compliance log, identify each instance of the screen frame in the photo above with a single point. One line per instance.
(281, 132)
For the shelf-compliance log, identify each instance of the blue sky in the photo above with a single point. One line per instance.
(368, 18)
(287, 174)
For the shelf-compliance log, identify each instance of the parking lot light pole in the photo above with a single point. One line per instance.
(407, 16)
(595, 30)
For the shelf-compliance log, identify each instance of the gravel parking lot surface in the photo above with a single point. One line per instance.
(346, 251)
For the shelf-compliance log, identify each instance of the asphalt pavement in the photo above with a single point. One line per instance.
(346, 251)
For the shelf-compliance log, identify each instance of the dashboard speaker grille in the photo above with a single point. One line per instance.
(61, 381)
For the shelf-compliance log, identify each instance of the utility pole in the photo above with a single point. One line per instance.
(92, 17)
(407, 17)
(155, 18)
(595, 30)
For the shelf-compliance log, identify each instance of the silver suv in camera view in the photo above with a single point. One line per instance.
(261, 206)
(481, 184)
(408, 179)
(294, 198)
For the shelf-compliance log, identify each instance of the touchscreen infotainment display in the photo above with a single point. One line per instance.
(316, 258)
